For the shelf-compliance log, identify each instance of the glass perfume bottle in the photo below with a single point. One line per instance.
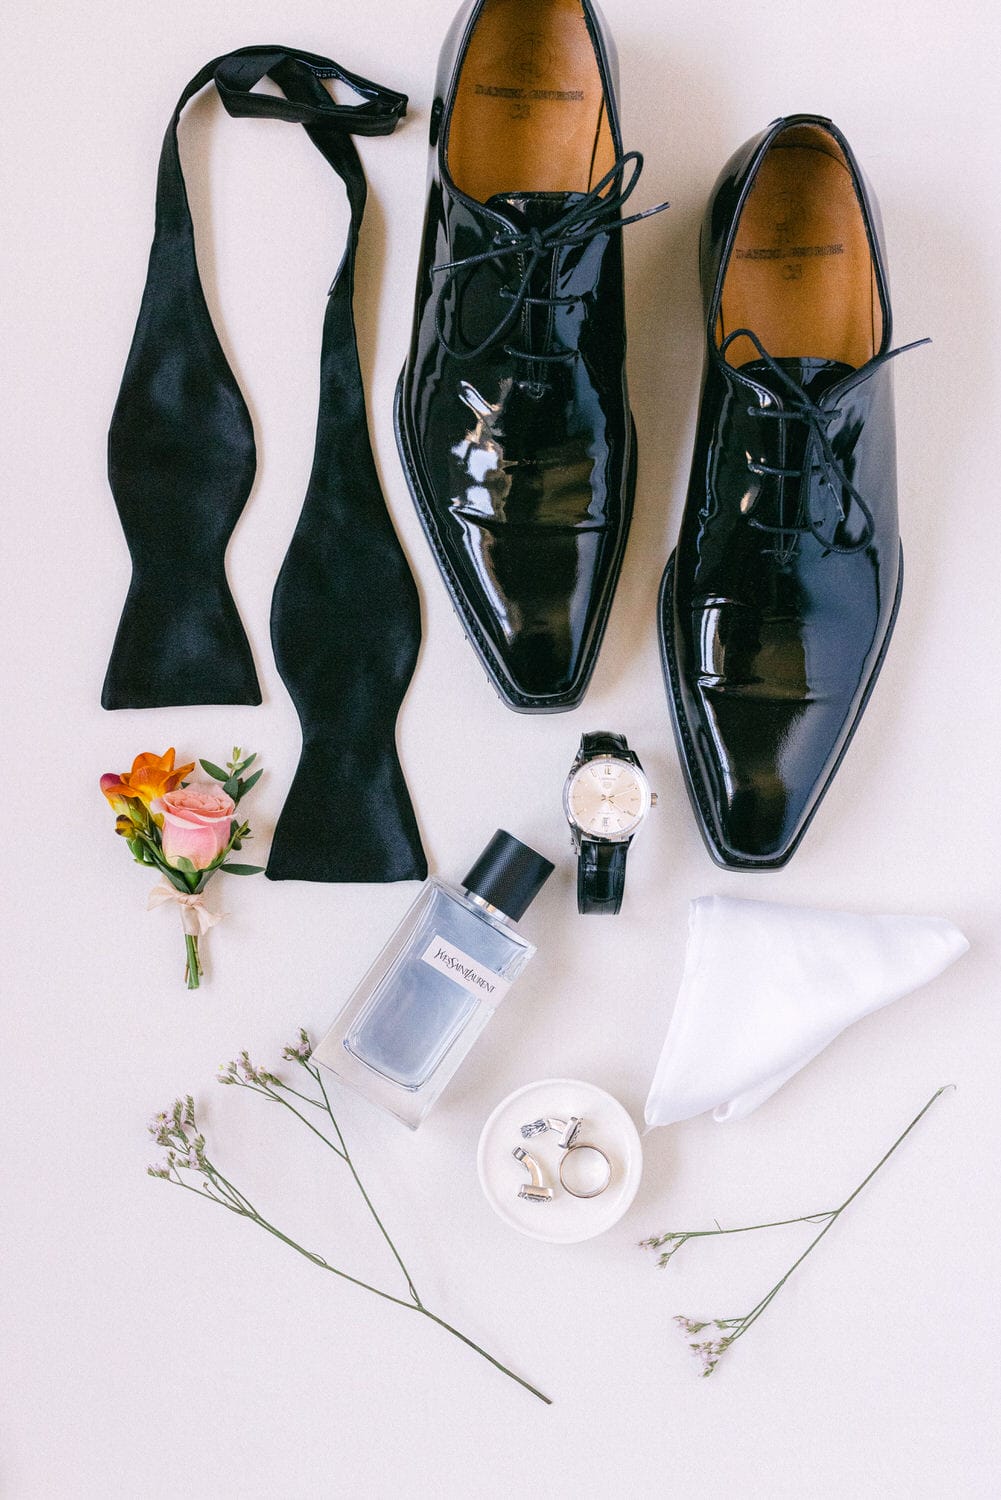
(441, 976)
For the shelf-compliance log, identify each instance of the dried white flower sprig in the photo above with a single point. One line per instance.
(726, 1331)
(177, 1131)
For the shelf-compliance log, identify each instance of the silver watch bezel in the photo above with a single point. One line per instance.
(608, 838)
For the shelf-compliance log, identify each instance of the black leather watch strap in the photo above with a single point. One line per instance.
(601, 876)
(601, 742)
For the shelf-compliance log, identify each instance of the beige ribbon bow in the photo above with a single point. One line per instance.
(196, 919)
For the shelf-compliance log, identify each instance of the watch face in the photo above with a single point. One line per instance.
(607, 798)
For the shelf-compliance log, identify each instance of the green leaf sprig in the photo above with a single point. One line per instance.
(236, 787)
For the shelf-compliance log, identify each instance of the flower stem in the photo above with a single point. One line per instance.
(371, 1207)
(317, 1260)
(495, 1362)
(186, 1154)
(742, 1324)
(193, 967)
(755, 1313)
(311, 1255)
(298, 1113)
(702, 1234)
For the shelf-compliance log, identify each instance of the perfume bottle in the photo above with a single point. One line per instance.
(434, 987)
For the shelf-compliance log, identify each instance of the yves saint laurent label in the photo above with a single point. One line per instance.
(441, 955)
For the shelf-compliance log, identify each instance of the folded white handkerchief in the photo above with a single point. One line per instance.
(766, 987)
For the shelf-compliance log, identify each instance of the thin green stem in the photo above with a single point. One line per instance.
(317, 1260)
(341, 1151)
(755, 1313)
(192, 967)
(371, 1206)
(224, 1193)
(311, 1255)
(176, 1182)
(270, 1093)
(903, 1136)
(316, 1103)
(700, 1234)
(495, 1362)
(241, 1199)
(324, 1265)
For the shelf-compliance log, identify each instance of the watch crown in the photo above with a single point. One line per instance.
(653, 799)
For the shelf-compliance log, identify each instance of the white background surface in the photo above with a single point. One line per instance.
(154, 1348)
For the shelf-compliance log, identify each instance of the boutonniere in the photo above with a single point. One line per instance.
(185, 829)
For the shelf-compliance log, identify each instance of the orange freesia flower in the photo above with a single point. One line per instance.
(151, 776)
(116, 791)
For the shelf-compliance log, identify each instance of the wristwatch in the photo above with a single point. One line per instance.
(606, 797)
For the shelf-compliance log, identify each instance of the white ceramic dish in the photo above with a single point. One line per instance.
(566, 1220)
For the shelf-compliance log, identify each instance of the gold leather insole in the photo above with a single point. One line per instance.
(801, 273)
(529, 112)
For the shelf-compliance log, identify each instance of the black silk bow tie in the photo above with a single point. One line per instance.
(345, 617)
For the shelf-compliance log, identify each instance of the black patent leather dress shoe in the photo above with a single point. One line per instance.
(777, 606)
(512, 414)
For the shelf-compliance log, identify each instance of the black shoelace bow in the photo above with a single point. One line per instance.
(819, 456)
(594, 214)
(345, 617)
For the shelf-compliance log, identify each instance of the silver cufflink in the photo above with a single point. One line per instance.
(567, 1130)
(584, 1171)
(535, 1191)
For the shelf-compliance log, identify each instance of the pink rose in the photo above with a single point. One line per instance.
(196, 823)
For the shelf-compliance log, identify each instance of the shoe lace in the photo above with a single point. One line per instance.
(593, 214)
(819, 456)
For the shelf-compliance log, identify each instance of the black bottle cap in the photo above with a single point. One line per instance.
(508, 875)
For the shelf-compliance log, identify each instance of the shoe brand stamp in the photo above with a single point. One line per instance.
(529, 56)
(562, 96)
(790, 226)
(790, 252)
(531, 59)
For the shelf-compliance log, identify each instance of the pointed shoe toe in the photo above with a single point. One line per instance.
(762, 762)
(779, 602)
(513, 417)
(529, 565)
